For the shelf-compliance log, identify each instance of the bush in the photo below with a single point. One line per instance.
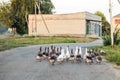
(107, 38)
(116, 36)
(118, 63)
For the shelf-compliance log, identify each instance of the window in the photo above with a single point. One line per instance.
(93, 28)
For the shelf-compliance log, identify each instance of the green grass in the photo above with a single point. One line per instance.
(112, 54)
(13, 42)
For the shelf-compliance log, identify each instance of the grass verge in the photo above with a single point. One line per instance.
(111, 54)
(13, 42)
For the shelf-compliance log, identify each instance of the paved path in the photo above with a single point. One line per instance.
(20, 64)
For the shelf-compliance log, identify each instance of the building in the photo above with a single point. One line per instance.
(77, 24)
(116, 21)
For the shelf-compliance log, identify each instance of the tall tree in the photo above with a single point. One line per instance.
(5, 14)
(46, 9)
(17, 12)
(105, 24)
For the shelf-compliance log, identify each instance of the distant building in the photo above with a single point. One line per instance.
(77, 24)
(116, 21)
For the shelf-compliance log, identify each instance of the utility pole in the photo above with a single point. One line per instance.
(35, 18)
(38, 6)
(111, 24)
(119, 1)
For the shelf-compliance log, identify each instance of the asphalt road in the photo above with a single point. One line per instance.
(20, 64)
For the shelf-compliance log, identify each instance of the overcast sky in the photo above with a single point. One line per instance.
(71, 6)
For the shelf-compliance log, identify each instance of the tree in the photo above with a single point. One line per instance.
(5, 14)
(46, 9)
(105, 24)
(17, 12)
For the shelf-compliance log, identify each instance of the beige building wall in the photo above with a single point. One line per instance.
(56, 24)
(60, 24)
(62, 27)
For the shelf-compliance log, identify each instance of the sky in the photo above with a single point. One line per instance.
(72, 6)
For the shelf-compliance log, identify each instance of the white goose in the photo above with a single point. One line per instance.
(80, 51)
(76, 51)
(64, 55)
(67, 54)
(85, 55)
(60, 58)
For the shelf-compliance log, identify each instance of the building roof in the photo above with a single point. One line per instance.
(118, 15)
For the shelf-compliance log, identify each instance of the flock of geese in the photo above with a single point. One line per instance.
(54, 54)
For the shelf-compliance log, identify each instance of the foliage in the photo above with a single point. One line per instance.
(116, 35)
(105, 23)
(15, 13)
(19, 9)
(107, 38)
(5, 14)
(46, 9)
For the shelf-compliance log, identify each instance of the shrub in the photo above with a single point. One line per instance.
(107, 38)
(116, 36)
(118, 63)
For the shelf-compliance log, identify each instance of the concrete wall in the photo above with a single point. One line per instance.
(61, 24)
(57, 25)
